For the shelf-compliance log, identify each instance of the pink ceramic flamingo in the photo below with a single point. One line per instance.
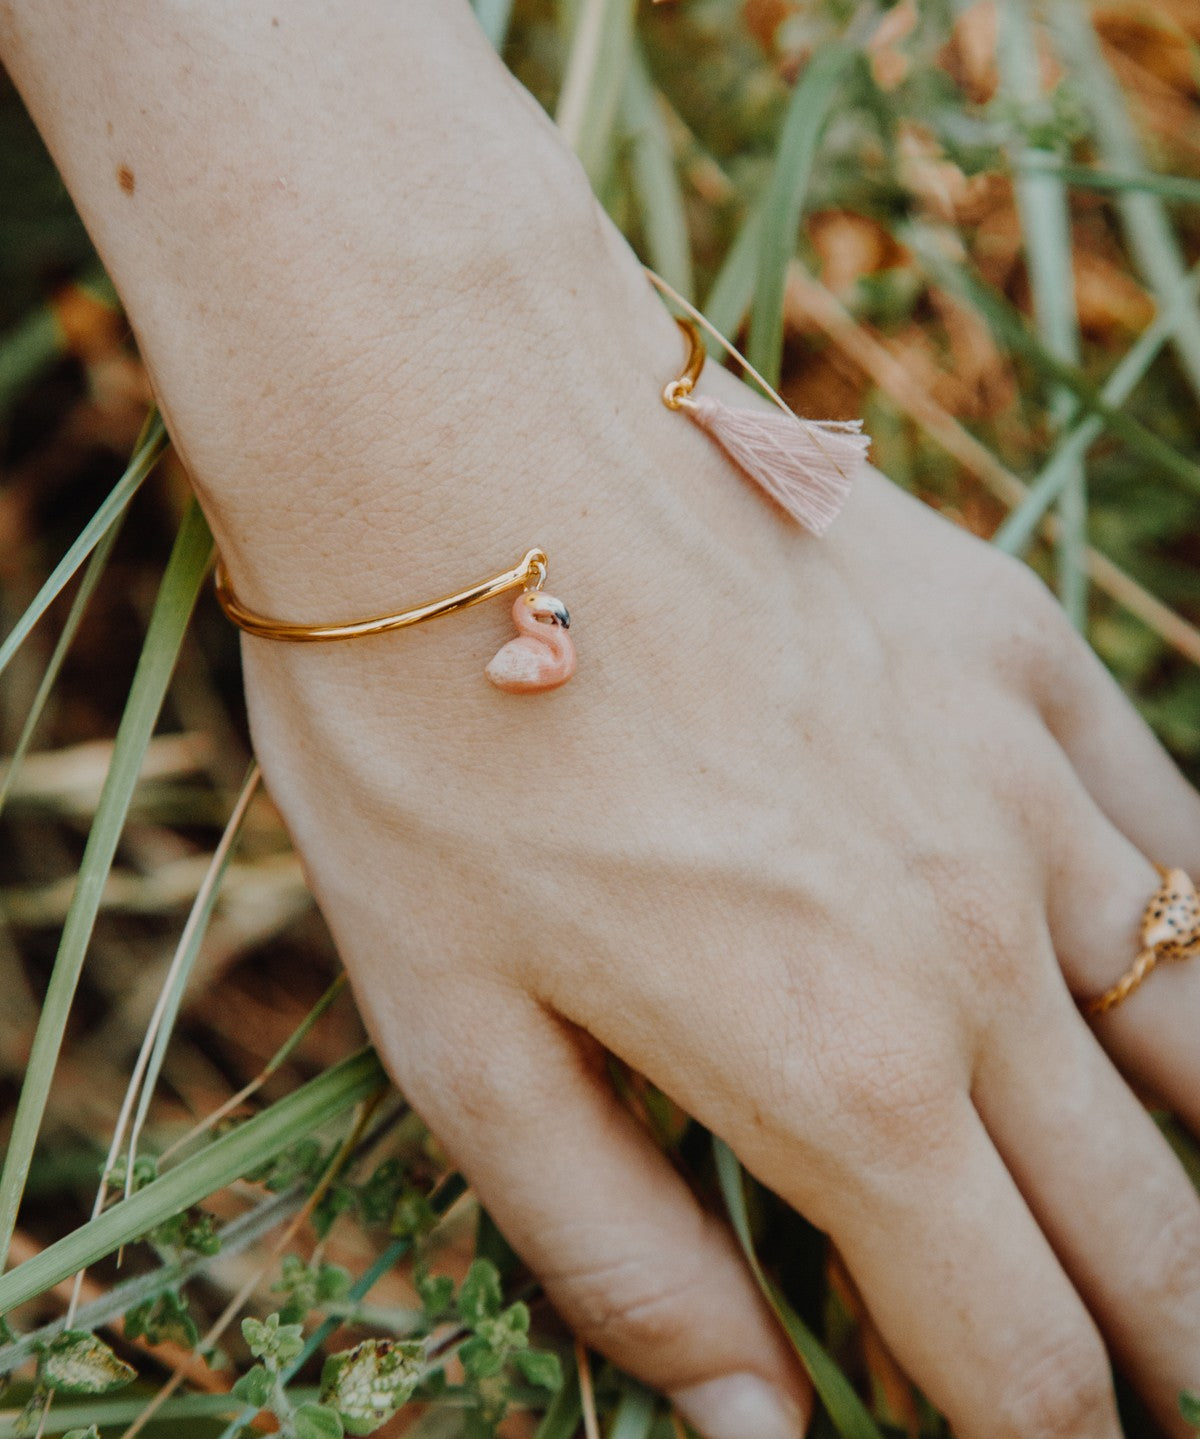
(542, 657)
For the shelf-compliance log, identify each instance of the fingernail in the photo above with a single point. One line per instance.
(739, 1406)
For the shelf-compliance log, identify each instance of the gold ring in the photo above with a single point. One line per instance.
(1170, 932)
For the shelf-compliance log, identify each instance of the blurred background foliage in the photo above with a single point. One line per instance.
(960, 221)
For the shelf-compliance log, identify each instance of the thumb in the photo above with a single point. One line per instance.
(626, 1254)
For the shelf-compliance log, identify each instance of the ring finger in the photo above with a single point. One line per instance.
(1105, 1188)
(1099, 890)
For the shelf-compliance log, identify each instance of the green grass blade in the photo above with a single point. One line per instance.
(494, 18)
(733, 289)
(1009, 327)
(226, 1159)
(181, 582)
(1179, 189)
(1018, 529)
(235, 1236)
(144, 459)
(1147, 225)
(1046, 226)
(162, 1024)
(597, 67)
(783, 204)
(845, 1408)
(561, 1419)
(26, 350)
(109, 1413)
(91, 578)
(655, 178)
(635, 1411)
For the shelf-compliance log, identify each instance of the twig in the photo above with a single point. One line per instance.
(587, 1394)
(235, 1101)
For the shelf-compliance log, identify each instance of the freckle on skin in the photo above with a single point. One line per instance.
(126, 179)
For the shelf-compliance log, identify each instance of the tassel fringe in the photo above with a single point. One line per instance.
(806, 466)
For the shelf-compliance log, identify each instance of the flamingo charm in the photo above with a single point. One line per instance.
(542, 657)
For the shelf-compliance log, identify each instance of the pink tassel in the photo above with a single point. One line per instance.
(807, 466)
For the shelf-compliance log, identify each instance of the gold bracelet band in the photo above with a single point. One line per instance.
(530, 573)
(542, 656)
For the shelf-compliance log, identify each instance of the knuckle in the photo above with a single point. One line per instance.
(1169, 1265)
(1036, 641)
(629, 1303)
(883, 1096)
(1066, 1394)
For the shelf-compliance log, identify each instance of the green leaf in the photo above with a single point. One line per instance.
(480, 1358)
(481, 1296)
(378, 1195)
(850, 1417)
(447, 1193)
(272, 1342)
(316, 1421)
(300, 1163)
(366, 1385)
(412, 1215)
(255, 1387)
(223, 1161)
(299, 1283)
(1189, 1407)
(91, 1432)
(164, 1319)
(333, 1282)
(336, 1200)
(437, 1294)
(540, 1367)
(76, 1362)
(192, 1230)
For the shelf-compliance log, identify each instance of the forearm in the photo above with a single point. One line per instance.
(343, 235)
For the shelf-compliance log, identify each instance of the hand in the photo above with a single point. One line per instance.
(821, 838)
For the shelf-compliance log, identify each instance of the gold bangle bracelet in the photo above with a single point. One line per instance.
(530, 573)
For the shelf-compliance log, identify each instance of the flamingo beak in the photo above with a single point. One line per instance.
(549, 608)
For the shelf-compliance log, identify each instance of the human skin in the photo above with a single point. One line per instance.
(822, 836)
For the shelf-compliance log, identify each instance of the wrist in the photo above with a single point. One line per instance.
(523, 411)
